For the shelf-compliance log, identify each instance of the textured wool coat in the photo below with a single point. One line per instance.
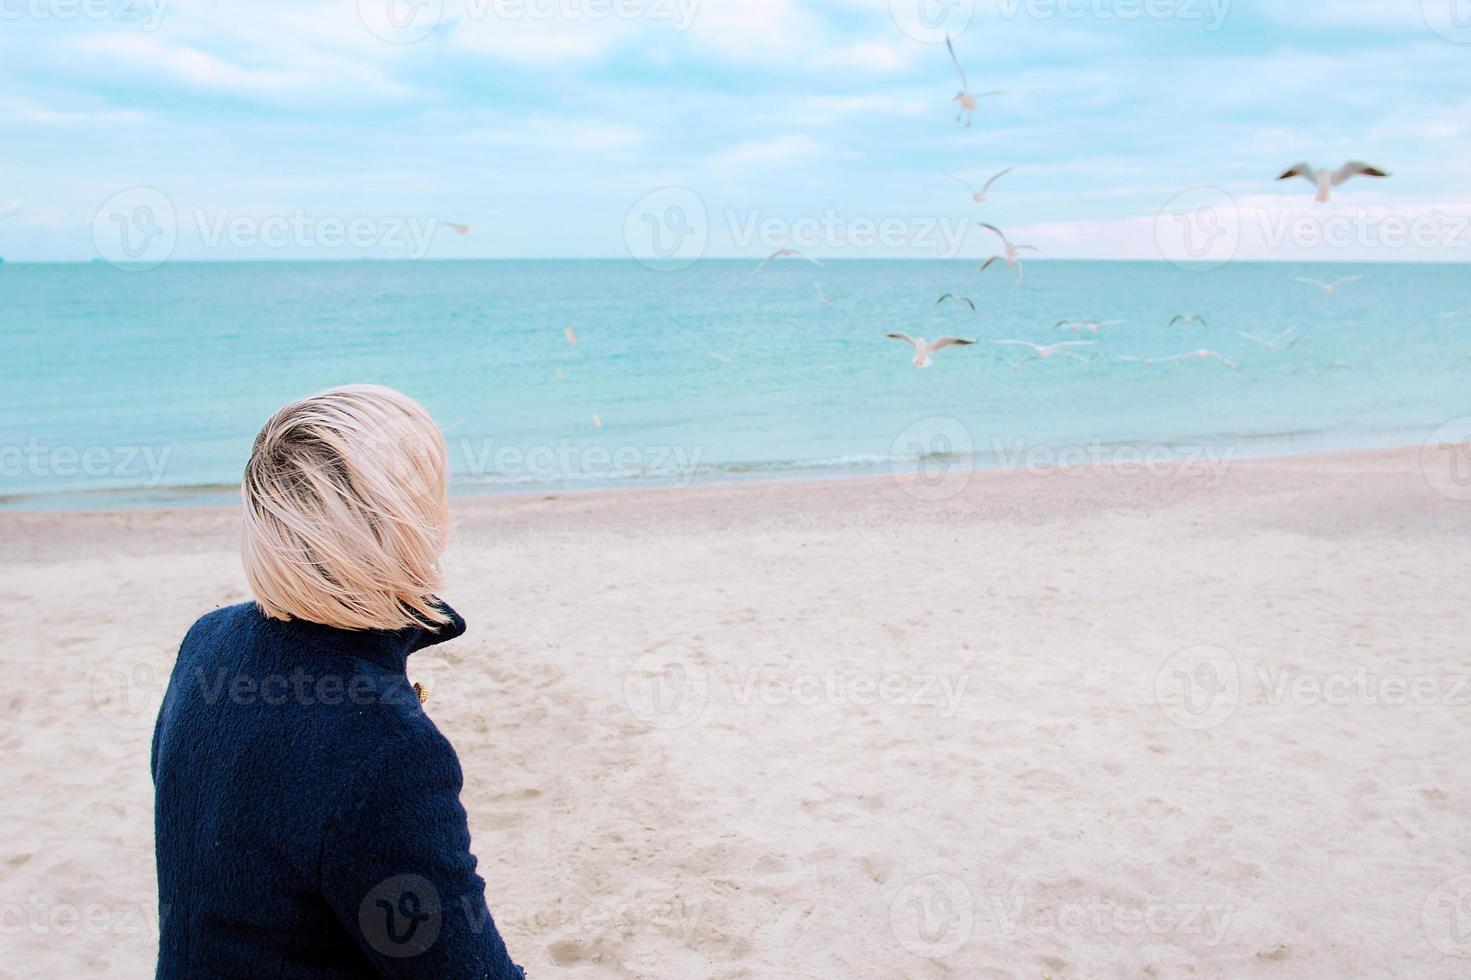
(307, 812)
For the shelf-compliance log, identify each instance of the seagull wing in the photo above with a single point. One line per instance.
(998, 231)
(1019, 343)
(766, 261)
(990, 262)
(1300, 170)
(904, 337)
(944, 342)
(1311, 282)
(960, 182)
(964, 84)
(1356, 168)
(998, 177)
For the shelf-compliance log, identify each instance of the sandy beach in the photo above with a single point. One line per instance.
(1068, 724)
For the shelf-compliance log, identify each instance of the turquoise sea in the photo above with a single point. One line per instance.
(145, 388)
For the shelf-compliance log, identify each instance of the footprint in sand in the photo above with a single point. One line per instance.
(571, 952)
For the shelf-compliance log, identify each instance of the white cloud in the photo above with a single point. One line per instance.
(274, 79)
(26, 111)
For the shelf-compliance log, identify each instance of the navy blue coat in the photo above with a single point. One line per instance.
(307, 812)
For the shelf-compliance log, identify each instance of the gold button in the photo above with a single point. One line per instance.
(422, 692)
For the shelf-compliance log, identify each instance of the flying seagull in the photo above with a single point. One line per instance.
(1328, 287)
(821, 296)
(1189, 321)
(1286, 338)
(786, 253)
(1049, 350)
(956, 299)
(966, 98)
(1010, 258)
(1199, 355)
(924, 348)
(1086, 326)
(979, 196)
(1326, 180)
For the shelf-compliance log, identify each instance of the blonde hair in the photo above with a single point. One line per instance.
(345, 511)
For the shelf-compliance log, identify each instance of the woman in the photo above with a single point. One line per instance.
(308, 820)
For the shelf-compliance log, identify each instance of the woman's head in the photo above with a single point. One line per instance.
(345, 511)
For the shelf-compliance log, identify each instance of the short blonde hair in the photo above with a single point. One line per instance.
(345, 511)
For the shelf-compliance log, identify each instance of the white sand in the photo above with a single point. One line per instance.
(1056, 820)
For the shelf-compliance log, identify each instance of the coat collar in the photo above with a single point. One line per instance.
(389, 649)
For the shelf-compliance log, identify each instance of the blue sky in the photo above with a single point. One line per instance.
(275, 128)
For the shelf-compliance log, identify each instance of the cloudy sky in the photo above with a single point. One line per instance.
(569, 128)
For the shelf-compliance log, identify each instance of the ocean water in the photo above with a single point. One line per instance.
(142, 388)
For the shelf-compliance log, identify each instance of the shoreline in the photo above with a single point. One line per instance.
(1157, 455)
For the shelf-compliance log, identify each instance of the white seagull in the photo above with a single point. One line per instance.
(1326, 180)
(1328, 287)
(966, 98)
(1286, 338)
(1189, 321)
(1049, 350)
(785, 253)
(924, 348)
(979, 196)
(821, 296)
(1199, 355)
(1086, 326)
(1010, 258)
(956, 299)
